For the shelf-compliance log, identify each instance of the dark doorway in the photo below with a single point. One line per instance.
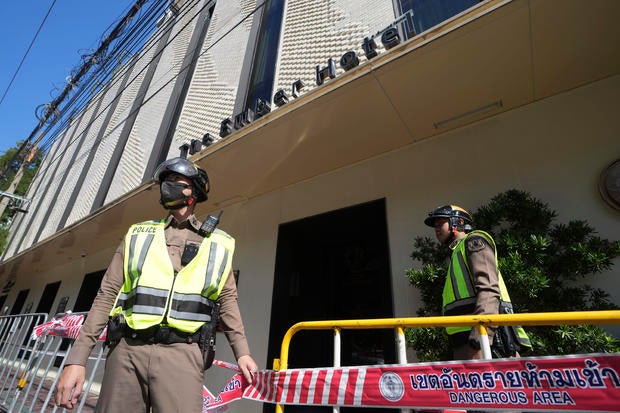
(48, 297)
(333, 266)
(19, 302)
(88, 291)
(2, 301)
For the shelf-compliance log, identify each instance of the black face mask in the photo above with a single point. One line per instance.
(172, 196)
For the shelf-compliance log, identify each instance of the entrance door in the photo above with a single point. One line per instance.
(19, 302)
(48, 297)
(3, 311)
(333, 266)
(88, 291)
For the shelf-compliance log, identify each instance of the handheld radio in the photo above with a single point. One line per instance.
(209, 224)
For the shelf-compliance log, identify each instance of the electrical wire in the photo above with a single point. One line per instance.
(77, 136)
(57, 157)
(27, 52)
(84, 94)
(51, 109)
(48, 163)
(80, 96)
(137, 75)
(108, 75)
(42, 171)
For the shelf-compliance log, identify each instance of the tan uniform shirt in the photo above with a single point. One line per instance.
(177, 235)
(481, 261)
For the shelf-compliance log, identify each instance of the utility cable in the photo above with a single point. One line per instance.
(76, 138)
(48, 164)
(162, 87)
(137, 75)
(51, 107)
(27, 52)
(112, 81)
(106, 72)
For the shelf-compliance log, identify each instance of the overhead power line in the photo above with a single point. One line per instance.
(27, 51)
(108, 71)
(59, 156)
(52, 107)
(75, 107)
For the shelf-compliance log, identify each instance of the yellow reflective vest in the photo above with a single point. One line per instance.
(152, 293)
(459, 292)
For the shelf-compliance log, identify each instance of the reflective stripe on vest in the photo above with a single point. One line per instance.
(152, 291)
(459, 293)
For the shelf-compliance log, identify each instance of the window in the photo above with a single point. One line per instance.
(429, 13)
(266, 54)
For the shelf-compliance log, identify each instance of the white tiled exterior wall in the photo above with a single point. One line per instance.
(131, 170)
(82, 204)
(213, 90)
(110, 136)
(312, 32)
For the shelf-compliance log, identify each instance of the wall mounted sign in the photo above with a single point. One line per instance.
(609, 184)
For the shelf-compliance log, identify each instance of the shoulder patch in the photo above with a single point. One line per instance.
(476, 244)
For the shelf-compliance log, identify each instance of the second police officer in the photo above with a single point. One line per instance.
(473, 285)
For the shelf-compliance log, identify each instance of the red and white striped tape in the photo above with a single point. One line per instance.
(589, 382)
(68, 325)
(570, 383)
(560, 384)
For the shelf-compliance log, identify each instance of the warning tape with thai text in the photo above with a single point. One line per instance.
(589, 382)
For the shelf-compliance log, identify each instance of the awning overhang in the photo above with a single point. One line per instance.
(494, 58)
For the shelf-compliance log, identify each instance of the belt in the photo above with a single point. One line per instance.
(162, 335)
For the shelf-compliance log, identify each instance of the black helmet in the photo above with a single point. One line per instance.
(182, 166)
(453, 213)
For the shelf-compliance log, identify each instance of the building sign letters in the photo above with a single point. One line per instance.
(389, 37)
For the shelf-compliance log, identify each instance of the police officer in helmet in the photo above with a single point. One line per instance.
(162, 291)
(473, 282)
(173, 176)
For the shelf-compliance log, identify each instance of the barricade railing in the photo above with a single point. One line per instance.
(16, 349)
(399, 324)
(33, 350)
(31, 358)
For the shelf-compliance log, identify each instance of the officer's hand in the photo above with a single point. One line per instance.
(248, 367)
(69, 386)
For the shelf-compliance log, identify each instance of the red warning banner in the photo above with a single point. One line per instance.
(233, 390)
(574, 383)
(585, 383)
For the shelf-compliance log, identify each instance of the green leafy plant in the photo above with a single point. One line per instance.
(10, 162)
(546, 266)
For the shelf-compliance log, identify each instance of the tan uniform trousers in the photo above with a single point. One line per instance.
(139, 377)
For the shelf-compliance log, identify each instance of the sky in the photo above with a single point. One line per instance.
(73, 27)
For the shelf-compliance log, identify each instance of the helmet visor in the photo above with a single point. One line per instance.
(175, 165)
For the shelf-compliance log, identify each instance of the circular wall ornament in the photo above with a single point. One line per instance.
(609, 184)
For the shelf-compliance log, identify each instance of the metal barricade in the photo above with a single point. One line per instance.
(29, 366)
(478, 321)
